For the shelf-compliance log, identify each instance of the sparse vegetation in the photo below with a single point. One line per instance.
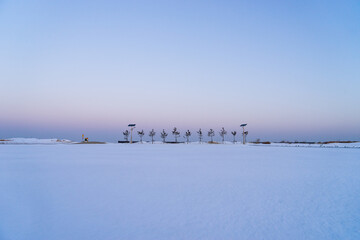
(126, 135)
(141, 134)
(176, 133)
(152, 134)
(211, 134)
(163, 135)
(200, 134)
(222, 133)
(187, 134)
(244, 136)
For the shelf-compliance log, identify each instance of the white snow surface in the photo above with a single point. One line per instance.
(162, 191)
(329, 145)
(34, 141)
(65, 141)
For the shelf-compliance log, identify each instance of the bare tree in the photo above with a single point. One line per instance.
(234, 134)
(141, 134)
(126, 135)
(187, 134)
(200, 133)
(211, 134)
(176, 133)
(152, 134)
(244, 136)
(163, 135)
(222, 133)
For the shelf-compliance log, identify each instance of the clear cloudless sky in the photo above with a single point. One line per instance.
(290, 69)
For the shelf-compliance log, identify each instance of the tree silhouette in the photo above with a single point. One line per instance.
(141, 134)
(211, 134)
(187, 134)
(176, 133)
(200, 133)
(126, 135)
(152, 134)
(163, 135)
(234, 134)
(222, 133)
(245, 134)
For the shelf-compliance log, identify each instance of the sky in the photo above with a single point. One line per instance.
(290, 69)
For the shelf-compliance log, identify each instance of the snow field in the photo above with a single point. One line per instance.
(121, 191)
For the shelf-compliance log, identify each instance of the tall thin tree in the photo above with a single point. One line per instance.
(176, 133)
(141, 134)
(163, 135)
(187, 134)
(211, 134)
(222, 133)
(244, 136)
(152, 134)
(126, 135)
(234, 134)
(200, 133)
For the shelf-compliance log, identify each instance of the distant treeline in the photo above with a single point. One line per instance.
(176, 134)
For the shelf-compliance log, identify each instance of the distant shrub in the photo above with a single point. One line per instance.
(211, 134)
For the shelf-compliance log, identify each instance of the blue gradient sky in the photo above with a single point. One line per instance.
(290, 69)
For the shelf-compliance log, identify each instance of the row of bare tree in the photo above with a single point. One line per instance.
(176, 133)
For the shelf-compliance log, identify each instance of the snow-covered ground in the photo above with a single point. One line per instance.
(316, 145)
(64, 141)
(33, 141)
(163, 191)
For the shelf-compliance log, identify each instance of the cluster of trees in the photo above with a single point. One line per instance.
(176, 134)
